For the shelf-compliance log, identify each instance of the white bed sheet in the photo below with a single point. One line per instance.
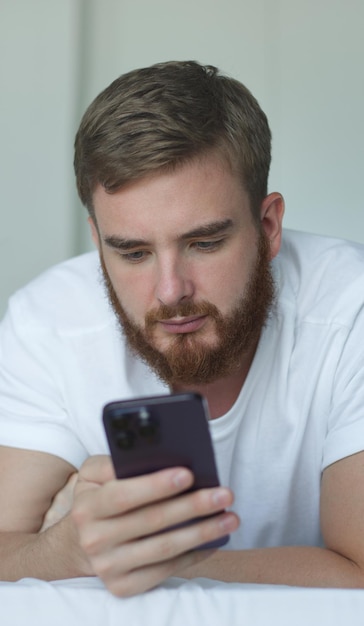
(85, 601)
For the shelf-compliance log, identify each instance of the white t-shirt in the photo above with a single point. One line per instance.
(63, 356)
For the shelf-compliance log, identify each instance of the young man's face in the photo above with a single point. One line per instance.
(186, 269)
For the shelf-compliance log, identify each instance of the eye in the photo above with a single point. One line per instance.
(134, 257)
(208, 246)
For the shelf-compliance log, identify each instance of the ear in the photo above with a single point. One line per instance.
(94, 232)
(271, 217)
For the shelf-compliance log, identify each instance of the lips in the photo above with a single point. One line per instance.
(183, 324)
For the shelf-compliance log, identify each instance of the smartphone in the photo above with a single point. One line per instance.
(149, 434)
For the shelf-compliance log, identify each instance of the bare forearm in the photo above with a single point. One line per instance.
(50, 555)
(296, 566)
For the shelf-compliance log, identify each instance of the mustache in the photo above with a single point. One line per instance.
(183, 309)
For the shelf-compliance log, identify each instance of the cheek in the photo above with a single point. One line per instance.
(225, 284)
(132, 292)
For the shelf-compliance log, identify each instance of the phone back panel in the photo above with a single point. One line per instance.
(178, 435)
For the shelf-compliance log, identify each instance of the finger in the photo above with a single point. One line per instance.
(103, 535)
(162, 554)
(143, 579)
(119, 496)
(168, 545)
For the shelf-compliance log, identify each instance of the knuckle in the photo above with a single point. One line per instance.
(208, 531)
(166, 547)
(200, 501)
(103, 567)
(117, 497)
(90, 542)
(155, 517)
(79, 514)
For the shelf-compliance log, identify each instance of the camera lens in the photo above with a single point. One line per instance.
(125, 439)
(120, 421)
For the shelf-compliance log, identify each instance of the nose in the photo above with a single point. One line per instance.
(173, 282)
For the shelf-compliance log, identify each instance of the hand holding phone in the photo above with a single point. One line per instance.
(149, 434)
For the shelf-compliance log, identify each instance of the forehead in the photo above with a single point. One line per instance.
(198, 192)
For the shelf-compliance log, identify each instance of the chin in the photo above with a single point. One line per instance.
(188, 342)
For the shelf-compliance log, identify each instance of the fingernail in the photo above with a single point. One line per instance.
(221, 497)
(181, 478)
(228, 523)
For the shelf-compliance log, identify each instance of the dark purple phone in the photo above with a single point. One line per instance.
(149, 434)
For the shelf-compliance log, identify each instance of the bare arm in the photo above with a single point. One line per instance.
(116, 521)
(28, 482)
(340, 564)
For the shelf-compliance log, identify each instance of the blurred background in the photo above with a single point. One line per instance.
(302, 59)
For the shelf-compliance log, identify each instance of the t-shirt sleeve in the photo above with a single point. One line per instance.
(345, 435)
(32, 408)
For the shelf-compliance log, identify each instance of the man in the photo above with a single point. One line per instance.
(172, 163)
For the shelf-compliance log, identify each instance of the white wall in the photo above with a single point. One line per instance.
(38, 49)
(301, 58)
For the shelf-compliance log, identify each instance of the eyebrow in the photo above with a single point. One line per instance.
(123, 244)
(207, 230)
